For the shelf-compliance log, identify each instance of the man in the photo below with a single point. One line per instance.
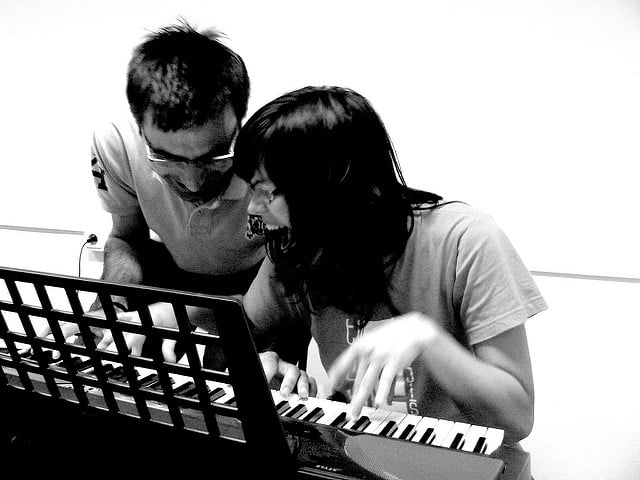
(164, 173)
(167, 169)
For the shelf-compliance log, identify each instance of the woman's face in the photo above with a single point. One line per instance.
(267, 203)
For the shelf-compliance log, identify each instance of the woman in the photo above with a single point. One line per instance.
(397, 287)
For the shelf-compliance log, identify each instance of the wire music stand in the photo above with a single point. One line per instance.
(82, 375)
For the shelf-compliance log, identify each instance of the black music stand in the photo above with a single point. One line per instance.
(243, 436)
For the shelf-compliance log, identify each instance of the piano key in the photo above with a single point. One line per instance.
(316, 408)
(229, 395)
(296, 412)
(361, 423)
(332, 411)
(481, 445)
(187, 389)
(314, 415)
(369, 419)
(441, 430)
(294, 406)
(390, 424)
(472, 437)
(407, 426)
(493, 439)
(455, 438)
(425, 426)
(340, 420)
(216, 393)
(80, 362)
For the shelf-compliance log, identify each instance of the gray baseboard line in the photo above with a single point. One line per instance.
(538, 273)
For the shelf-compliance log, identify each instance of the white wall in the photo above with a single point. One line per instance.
(529, 110)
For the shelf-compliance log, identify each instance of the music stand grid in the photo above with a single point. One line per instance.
(31, 301)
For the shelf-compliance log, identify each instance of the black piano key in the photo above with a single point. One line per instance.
(216, 393)
(282, 407)
(457, 441)
(481, 445)
(427, 436)
(340, 420)
(362, 423)
(79, 363)
(157, 386)
(47, 355)
(296, 411)
(152, 380)
(314, 415)
(389, 429)
(407, 433)
(118, 374)
(230, 401)
(187, 390)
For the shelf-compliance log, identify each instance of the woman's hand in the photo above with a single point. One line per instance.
(379, 355)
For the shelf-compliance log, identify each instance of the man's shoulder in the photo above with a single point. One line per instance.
(120, 127)
(117, 143)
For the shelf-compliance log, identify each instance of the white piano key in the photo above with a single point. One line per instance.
(458, 428)
(312, 403)
(441, 430)
(409, 420)
(423, 425)
(179, 380)
(145, 374)
(332, 410)
(228, 389)
(494, 438)
(373, 415)
(291, 401)
(395, 417)
(473, 435)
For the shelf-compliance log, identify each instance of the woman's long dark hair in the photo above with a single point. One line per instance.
(328, 153)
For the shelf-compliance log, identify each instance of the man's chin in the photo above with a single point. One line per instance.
(196, 198)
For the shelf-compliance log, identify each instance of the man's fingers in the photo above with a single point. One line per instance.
(69, 329)
(106, 340)
(306, 386)
(290, 375)
(269, 362)
(169, 350)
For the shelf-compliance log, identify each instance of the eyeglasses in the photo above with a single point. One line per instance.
(262, 194)
(173, 162)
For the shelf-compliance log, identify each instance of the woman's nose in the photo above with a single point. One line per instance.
(256, 205)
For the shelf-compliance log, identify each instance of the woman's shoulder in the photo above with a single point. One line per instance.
(454, 216)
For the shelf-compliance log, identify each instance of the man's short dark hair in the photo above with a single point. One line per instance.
(184, 77)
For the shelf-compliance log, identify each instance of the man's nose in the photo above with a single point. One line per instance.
(192, 178)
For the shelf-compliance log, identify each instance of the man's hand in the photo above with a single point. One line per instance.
(290, 376)
(162, 315)
(69, 329)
